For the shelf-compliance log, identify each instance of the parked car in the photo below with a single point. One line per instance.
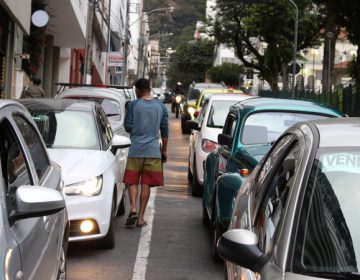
(110, 100)
(249, 131)
(205, 130)
(296, 217)
(158, 93)
(34, 224)
(79, 138)
(192, 107)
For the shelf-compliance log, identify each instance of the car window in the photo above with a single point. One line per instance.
(67, 129)
(267, 165)
(218, 113)
(13, 166)
(105, 127)
(230, 125)
(274, 199)
(35, 146)
(203, 113)
(328, 234)
(266, 127)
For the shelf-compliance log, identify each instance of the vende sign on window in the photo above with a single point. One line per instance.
(115, 59)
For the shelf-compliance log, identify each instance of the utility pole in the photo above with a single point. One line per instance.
(88, 39)
(127, 30)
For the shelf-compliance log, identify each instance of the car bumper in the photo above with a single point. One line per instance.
(96, 208)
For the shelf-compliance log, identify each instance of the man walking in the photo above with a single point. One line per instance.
(34, 90)
(145, 117)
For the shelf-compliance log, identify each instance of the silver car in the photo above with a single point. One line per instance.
(296, 217)
(113, 102)
(34, 232)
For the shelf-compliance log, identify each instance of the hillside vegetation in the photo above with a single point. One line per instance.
(181, 23)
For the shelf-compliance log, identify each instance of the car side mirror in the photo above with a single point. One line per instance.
(241, 247)
(35, 201)
(191, 124)
(225, 140)
(120, 142)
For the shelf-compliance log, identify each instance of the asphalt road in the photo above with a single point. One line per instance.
(175, 245)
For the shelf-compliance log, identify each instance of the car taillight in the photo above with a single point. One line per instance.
(208, 146)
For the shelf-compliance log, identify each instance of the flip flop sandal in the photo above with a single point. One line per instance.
(142, 225)
(131, 220)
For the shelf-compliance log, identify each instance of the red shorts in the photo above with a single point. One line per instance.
(147, 171)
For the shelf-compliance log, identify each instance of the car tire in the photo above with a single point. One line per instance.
(108, 242)
(61, 275)
(184, 129)
(189, 175)
(121, 210)
(205, 216)
(215, 235)
(196, 188)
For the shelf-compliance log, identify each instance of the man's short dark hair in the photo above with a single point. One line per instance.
(142, 84)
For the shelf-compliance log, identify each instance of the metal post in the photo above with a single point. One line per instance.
(127, 30)
(88, 37)
(329, 67)
(295, 47)
(109, 29)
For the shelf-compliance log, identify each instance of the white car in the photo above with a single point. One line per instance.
(113, 102)
(205, 130)
(158, 93)
(79, 138)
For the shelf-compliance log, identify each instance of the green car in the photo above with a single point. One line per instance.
(250, 129)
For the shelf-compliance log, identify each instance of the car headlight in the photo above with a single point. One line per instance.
(90, 187)
(191, 111)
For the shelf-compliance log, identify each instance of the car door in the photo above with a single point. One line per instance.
(39, 239)
(269, 209)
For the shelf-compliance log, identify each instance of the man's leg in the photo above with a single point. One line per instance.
(144, 198)
(133, 192)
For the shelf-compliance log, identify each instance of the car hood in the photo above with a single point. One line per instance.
(81, 165)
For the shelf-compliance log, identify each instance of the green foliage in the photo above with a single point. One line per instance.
(181, 23)
(269, 25)
(227, 72)
(190, 63)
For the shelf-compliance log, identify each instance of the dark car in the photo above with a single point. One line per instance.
(296, 217)
(250, 129)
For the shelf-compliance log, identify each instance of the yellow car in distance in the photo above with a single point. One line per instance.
(193, 106)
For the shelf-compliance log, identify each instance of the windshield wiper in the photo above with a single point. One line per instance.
(334, 275)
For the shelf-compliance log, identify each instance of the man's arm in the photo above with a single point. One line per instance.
(129, 118)
(164, 130)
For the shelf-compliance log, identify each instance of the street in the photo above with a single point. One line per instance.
(174, 244)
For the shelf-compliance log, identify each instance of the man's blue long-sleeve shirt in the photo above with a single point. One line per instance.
(143, 120)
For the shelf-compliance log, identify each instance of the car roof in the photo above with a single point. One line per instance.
(229, 96)
(263, 104)
(220, 90)
(57, 104)
(338, 132)
(7, 102)
(94, 92)
(208, 85)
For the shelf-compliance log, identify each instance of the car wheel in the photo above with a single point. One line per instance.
(62, 264)
(190, 176)
(205, 216)
(196, 188)
(121, 210)
(108, 241)
(184, 129)
(215, 233)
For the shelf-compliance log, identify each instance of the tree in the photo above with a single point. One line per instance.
(227, 73)
(262, 33)
(190, 62)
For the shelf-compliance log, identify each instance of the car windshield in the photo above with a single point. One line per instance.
(67, 129)
(328, 237)
(110, 107)
(266, 127)
(218, 113)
